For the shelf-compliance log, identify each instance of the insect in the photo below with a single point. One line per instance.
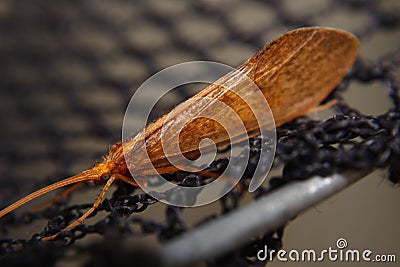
(295, 72)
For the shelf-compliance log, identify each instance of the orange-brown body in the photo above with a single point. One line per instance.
(295, 73)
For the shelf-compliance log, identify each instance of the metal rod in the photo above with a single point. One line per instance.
(266, 214)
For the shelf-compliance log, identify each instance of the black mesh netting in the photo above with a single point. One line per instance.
(67, 69)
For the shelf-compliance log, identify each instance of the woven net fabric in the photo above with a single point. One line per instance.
(69, 68)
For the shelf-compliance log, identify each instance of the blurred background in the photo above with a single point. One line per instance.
(69, 68)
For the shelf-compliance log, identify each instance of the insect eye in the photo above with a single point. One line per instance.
(105, 176)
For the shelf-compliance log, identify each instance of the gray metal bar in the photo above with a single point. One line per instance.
(266, 214)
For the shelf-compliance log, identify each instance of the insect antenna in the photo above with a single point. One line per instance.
(84, 176)
(87, 213)
(59, 196)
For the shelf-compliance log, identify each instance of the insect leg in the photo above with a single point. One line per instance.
(85, 176)
(87, 213)
(322, 107)
(126, 179)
